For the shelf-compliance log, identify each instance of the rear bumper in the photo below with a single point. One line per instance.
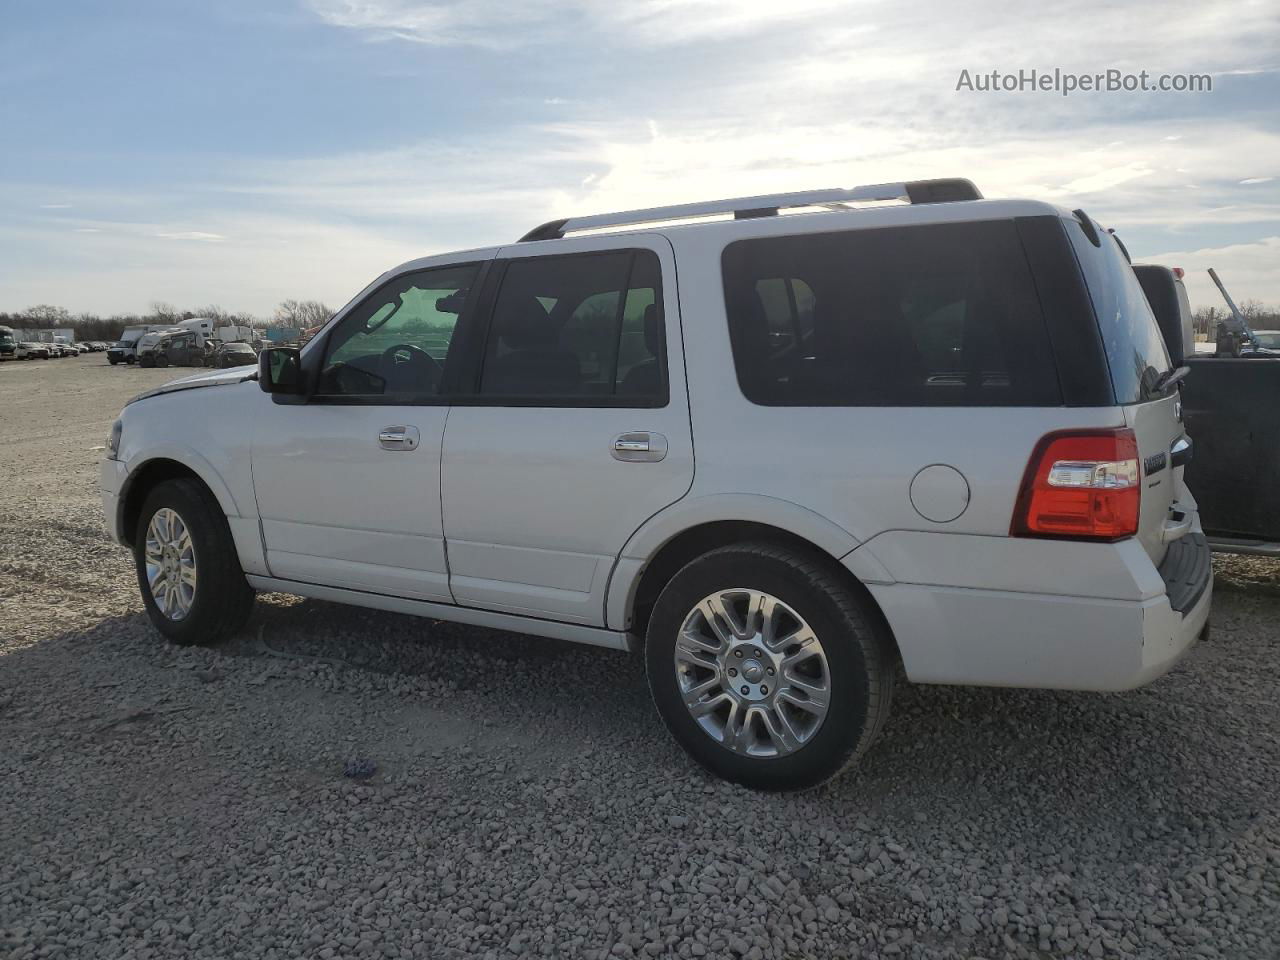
(1012, 638)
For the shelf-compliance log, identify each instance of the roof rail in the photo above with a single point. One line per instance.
(744, 208)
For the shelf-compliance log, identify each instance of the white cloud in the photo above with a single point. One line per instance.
(664, 101)
(55, 206)
(271, 259)
(1248, 270)
(500, 24)
(193, 235)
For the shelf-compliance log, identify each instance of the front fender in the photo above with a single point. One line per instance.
(194, 462)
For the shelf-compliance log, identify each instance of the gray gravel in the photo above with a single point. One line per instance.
(161, 802)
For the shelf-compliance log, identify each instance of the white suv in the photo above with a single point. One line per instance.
(783, 449)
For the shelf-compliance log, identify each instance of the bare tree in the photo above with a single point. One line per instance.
(302, 314)
(162, 312)
(45, 314)
(1205, 320)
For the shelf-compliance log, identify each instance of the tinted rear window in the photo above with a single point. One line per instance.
(931, 315)
(1135, 349)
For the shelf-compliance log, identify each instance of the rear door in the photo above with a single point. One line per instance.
(578, 428)
(1137, 358)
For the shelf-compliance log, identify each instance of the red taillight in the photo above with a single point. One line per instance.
(1081, 483)
(1179, 272)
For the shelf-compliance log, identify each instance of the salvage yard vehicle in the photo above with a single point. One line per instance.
(929, 429)
(125, 350)
(8, 344)
(37, 351)
(233, 355)
(177, 348)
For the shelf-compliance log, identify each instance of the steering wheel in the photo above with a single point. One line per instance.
(408, 368)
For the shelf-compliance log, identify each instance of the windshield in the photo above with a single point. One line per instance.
(1269, 339)
(6, 339)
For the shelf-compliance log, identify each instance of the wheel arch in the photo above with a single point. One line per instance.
(638, 582)
(171, 465)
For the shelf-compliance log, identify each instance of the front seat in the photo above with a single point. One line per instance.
(645, 378)
(535, 364)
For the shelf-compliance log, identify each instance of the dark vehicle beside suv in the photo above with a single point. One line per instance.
(234, 355)
(180, 349)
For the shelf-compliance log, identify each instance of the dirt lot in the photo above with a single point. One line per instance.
(161, 802)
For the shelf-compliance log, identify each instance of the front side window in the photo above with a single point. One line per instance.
(395, 343)
(579, 326)
(936, 315)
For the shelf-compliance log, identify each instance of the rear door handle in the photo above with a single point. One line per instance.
(639, 447)
(399, 438)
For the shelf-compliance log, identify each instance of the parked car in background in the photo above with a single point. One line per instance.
(8, 344)
(177, 348)
(905, 454)
(234, 355)
(38, 351)
(125, 350)
(1268, 339)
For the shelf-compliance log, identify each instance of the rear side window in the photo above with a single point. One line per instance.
(1135, 349)
(583, 329)
(936, 315)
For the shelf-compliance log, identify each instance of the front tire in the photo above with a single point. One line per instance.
(188, 570)
(161, 360)
(767, 667)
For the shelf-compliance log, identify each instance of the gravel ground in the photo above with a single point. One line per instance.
(161, 802)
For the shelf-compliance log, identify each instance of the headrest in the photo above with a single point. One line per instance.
(530, 329)
(652, 330)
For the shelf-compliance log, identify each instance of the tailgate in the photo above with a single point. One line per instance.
(1157, 426)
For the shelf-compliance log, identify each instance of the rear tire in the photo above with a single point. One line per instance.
(187, 566)
(794, 714)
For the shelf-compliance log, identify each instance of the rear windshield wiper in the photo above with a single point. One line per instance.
(1170, 377)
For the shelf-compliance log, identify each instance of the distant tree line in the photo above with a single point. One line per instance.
(300, 314)
(1257, 314)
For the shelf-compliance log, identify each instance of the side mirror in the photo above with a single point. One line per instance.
(280, 371)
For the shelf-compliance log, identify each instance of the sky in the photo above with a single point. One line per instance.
(247, 151)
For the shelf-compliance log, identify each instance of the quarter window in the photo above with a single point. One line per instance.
(945, 314)
(1135, 349)
(396, 343)
(585, 326)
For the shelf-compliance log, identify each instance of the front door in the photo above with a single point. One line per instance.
(578, 429)
(347, 483)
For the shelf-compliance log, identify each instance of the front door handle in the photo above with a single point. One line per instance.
(399, 438)
(639, 447)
